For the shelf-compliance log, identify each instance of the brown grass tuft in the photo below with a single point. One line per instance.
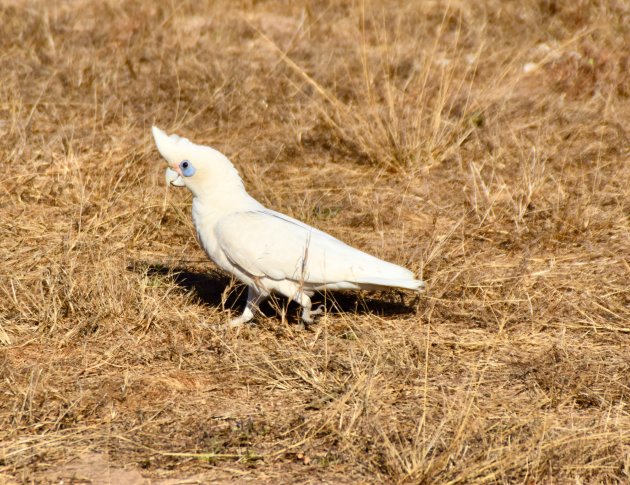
(484, 145)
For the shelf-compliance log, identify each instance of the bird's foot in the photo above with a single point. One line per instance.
(234, 323)
(308, 315)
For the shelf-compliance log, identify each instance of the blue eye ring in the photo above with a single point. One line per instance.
(187, 168)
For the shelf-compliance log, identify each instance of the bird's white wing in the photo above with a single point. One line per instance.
(265, 243)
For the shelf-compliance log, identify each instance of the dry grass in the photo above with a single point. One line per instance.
(483, 144)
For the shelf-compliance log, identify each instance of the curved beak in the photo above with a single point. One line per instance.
(173, 178)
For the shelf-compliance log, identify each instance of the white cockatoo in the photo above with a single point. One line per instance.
(266, 250)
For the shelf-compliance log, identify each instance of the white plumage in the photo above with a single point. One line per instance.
(266, 250)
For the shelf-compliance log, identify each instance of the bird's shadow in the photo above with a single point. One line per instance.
(215, 289)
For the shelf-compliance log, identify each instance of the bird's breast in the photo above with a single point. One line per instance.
(205, 222)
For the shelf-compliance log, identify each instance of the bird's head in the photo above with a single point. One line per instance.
(202, 169)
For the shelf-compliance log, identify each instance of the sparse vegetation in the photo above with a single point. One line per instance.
(483, 144)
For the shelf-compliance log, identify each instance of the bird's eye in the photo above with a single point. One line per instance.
(187, 168)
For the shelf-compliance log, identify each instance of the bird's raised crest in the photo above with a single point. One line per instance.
(170, 146)
(175, 149)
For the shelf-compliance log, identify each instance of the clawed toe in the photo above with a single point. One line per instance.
(319, 311)
(307, 315)
(234, 323)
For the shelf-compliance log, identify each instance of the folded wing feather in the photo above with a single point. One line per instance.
(265, 243)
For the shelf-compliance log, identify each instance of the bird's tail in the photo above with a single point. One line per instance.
(380, 283)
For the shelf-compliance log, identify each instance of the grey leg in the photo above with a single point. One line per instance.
(254, 297)
(307, 314)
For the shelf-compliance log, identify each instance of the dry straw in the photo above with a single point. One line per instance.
(482, 144)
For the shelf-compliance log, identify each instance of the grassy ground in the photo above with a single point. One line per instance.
(484, 145)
